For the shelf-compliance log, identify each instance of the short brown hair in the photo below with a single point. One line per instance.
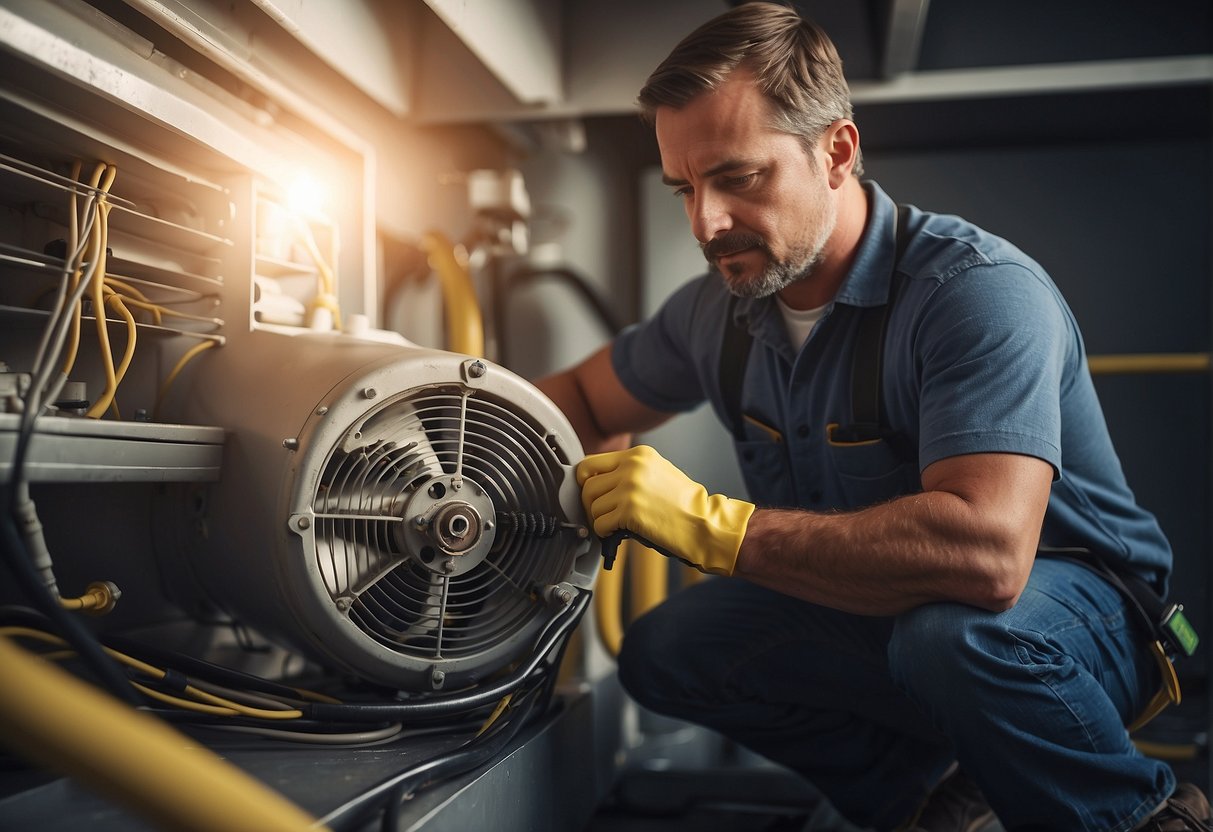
(793, 61)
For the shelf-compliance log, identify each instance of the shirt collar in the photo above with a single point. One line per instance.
(866, 284)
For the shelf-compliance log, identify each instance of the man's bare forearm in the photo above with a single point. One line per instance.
(971, 545)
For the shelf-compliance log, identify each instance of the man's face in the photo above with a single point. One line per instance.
(759, 203)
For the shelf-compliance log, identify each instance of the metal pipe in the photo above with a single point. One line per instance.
(465, 325)
(1149, 363)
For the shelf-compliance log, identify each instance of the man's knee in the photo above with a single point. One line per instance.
(939, 647)
(674, 654)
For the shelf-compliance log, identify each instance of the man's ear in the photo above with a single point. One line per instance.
(840, 143)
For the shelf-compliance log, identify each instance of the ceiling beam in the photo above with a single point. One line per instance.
(903, 39)
(1036, 79)
(519, 42)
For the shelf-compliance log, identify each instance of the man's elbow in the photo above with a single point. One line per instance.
(1005, 578)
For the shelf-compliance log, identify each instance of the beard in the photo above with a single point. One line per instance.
(776, 273)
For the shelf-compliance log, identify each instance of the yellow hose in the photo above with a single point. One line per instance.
(57, 720)
(608, 603)
(648, 577)
(464, 323)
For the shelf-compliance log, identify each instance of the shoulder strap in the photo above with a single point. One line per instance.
(867, 362)
(734, 352)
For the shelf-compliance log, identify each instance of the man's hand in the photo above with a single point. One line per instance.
(639, 491)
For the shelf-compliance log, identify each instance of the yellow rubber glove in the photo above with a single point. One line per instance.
(642, 493)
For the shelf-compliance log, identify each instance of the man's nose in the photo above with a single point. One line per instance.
(709, 217)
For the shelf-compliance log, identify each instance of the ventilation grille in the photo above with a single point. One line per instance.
(434, 527)
(164, 234)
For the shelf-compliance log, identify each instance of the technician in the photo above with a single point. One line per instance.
(893, 629)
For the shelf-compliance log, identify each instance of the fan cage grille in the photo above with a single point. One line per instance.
(360, 500)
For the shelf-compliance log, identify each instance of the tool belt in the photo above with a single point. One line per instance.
(1168, 632)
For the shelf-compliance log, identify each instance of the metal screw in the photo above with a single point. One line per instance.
(343, 604)
(437, 677)
(369, 392)
(448, 565)
(476, 369)
(303, 522)
(559, 594)
(320, 411)
(290, 443)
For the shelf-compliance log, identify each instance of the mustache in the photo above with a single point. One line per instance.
(729, 243)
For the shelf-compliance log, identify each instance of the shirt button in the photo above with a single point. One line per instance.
(803, 431)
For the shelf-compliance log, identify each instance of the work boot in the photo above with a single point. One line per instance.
(1186, 810)
(956, 805)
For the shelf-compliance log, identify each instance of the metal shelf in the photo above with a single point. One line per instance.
(69, 449)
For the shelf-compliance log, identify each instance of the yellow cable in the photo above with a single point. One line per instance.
(133, 294)
(201, 346)
(325, 297)
(99, 597)
(464, 323)
(134, 759)
(183, 704)
(497, 712)
(132, 334)
(312, 696)
(243, 710)
(159, 310)
(96, 290)
(159, 674)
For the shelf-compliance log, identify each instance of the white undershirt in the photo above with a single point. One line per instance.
(799, 322)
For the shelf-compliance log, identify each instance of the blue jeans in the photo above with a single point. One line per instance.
(1032, 701)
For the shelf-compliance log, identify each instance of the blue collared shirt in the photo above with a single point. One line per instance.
(982, 355)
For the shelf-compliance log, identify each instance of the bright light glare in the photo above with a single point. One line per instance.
(305, 196)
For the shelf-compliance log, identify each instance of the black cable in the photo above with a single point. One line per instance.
(17, 557)
(527, 274)
(503, 286)
(200, 668)
(303, 726)
(558, 628)
(388, 794)
(391, 815)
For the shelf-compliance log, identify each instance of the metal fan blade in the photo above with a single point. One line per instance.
(398, 424)
(429, 620)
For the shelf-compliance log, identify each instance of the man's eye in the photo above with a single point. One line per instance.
(682, 193)
(740, 181)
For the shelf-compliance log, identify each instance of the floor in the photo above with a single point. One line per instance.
(737, 799)
(744, 794)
